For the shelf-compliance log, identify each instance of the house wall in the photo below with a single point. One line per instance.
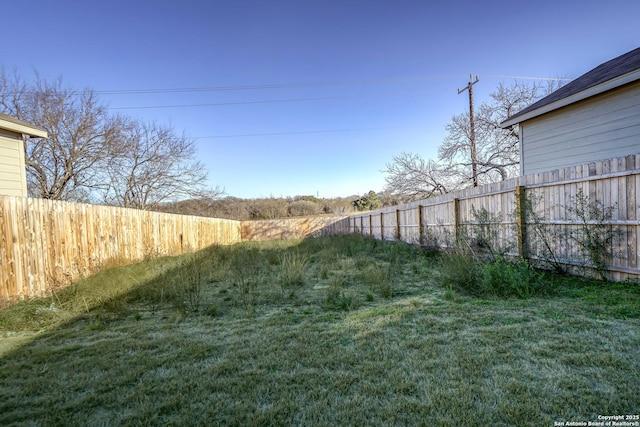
(605, 126)
(12, 169)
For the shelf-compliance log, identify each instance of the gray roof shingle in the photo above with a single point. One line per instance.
(609, 70)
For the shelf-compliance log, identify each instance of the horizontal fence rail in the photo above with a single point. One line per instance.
(440, 221)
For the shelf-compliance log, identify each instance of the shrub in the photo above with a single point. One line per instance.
(595, 234)
(334, 291)
(293, 266)
(483, 236)
(460, 273)
(544, 236)
(303, 208)
(500, 278)
(378, 277)
(338, 299)
(505, 278)
(246, 270)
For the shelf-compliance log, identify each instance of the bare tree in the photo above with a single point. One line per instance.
(498, 155)
(93, 155)
(155, 165)
(497, 149)
(81, 136)
(414, 178)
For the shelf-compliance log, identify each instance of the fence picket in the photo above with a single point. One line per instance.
(613, 182)
(46, 244)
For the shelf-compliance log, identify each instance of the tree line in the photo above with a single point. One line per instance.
(260, 208)
(278, 207)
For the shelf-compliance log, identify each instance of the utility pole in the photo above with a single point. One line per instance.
(474, 155)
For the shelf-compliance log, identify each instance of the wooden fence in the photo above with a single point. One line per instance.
(439, 221)
(46, 244)
(292, 228)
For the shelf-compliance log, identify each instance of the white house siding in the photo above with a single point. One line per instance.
(602, 127)
(12, 169)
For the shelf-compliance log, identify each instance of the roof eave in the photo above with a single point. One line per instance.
(587, 93)
(18, 126)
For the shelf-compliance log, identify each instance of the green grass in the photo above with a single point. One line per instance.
(331, 331)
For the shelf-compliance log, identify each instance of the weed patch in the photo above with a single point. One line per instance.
(506, 278)
(293, 265)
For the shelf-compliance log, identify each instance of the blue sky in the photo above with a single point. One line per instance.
(310, 97)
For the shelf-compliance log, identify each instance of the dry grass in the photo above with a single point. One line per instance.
(389, 349)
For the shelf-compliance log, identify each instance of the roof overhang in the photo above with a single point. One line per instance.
(587, 93)
(18, 126)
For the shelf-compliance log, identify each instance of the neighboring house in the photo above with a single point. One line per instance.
(13, 134)
(594, 117)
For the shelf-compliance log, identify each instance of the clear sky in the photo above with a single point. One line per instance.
(307, 97)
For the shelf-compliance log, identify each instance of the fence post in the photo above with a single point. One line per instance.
(370, 225)
(420, 231)
(521, 221)
(381, 226)
(456, 219)
(398, 233)
(362, 225)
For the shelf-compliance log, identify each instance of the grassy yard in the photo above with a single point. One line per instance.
(331, 331)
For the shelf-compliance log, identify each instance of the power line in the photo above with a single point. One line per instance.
(502, 76)
(208, 88)
(292, 85)
(274, 85)
(267, 101)
(308, 84)
(229, 103)
(291, 133)
(303, 85)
